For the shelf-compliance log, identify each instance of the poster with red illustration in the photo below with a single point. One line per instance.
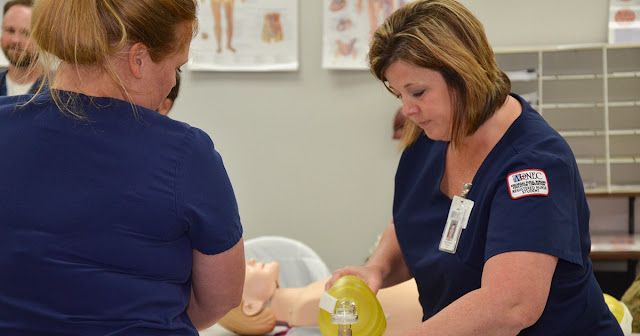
(624, 21)
(348, 27)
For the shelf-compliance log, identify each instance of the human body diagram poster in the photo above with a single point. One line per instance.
(348, 27)
(624, 21)
(246, 35)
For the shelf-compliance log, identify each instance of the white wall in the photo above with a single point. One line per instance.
(310, 153)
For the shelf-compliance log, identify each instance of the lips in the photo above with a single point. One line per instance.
(423, 124)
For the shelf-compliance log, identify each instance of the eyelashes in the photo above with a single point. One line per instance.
(417, 94)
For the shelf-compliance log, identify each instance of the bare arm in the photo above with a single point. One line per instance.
(514, 292)
(386, 267)
(216, 288)
(388, 258)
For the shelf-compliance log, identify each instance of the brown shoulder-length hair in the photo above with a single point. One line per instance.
(444, 36)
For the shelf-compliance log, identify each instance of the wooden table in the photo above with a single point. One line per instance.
(618, 247)
(615, 247)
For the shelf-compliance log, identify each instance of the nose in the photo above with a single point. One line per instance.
(409, 109)
(15, 38)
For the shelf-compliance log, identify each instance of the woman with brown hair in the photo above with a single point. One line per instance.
(114, 219)
(476, 155)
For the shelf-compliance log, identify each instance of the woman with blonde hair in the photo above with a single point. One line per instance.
(114, 219)
(517, 262)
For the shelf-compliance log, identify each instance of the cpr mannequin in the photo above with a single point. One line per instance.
(264, 305)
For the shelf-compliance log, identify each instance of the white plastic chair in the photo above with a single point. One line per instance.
(299, 264)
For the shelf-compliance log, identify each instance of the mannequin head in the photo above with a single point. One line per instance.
(252, 317)
(260, 324)
(260, 283)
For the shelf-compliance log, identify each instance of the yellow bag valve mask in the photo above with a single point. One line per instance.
(349, 308)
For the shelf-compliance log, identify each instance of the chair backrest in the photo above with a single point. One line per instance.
(299, 264)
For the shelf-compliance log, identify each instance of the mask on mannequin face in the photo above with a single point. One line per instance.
(260, 284)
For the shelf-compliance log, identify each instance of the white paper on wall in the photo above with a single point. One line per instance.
(624, 21)
(348, 27)
(246, 35)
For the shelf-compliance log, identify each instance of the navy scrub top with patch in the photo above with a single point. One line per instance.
(556, 224)
(99, 219)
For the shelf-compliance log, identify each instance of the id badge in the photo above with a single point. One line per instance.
(457, 219)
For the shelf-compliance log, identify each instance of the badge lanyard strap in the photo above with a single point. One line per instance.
(466, 187)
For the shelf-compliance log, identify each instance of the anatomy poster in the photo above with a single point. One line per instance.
(348, 27)
(624, 21)
(246, 35)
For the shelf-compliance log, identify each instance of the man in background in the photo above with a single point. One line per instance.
(23, 75)
(398, 124)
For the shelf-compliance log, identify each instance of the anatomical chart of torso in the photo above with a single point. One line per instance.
(348, 27)
(246, 35)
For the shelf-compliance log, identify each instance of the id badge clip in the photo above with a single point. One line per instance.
(457, 219)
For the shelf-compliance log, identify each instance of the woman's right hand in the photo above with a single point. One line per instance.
(385, 267)
(371, 275)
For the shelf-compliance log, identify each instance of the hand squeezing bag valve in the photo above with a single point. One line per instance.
(349, 308)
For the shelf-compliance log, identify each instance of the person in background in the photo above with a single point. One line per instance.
(476, 155)
(114, 219)
(167, 103)
(24, 73)
(398, 124)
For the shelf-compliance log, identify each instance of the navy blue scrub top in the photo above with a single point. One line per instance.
(99, 219)
(504, 218)
(34, 88)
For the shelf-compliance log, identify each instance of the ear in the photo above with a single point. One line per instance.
(138, 57)
(165, 106)
(251, 307)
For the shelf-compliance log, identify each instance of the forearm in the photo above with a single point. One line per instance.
(477, 313)
(203, 317)
(389, 260)
(514, 291)
(216, 285)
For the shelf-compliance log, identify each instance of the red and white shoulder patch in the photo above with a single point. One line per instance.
(528, 182)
